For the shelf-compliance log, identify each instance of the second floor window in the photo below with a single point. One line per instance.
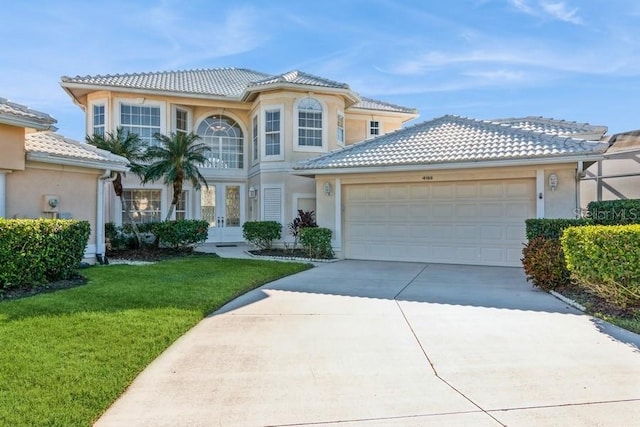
(142, 120)
(374, 128)
(98, 120)
(272, 133)
(340, 129)
(182, 121)
(310, 123)
(254, 138)
(225, 140)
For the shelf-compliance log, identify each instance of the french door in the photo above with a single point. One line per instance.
(222, 206)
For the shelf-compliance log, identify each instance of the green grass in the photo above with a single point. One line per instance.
(67, 355)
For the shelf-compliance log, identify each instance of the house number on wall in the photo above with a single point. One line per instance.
(427, 178)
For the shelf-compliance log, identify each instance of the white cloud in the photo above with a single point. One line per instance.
(557, 10)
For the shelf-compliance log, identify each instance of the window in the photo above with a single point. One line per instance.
(98, 119)
(309, 123)
(340, 129)
(181, 206)
(144, 205)
(254, 138)
(225, 140)
(142, 120)
(374, 128)
(182, 120)
(272, 133)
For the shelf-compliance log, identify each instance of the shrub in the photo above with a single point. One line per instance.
(303, 220)
(317, 242)
(552, 227)
(543, 262)
(614, 212)
(117, 238)
(181, 233)
(36, 251)
(605, 260)
(262, 233)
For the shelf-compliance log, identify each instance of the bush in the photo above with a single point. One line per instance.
(117, 238)
(316, 242)
(303, 220)
(606, 261)
(37, 251)
(262, 233)
(543, 262)
(181, 233)
(552, 227)
(614, 212)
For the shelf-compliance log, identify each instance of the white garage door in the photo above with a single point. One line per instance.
(480, 222)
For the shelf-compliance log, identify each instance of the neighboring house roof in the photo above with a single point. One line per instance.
(23, 116)
(235, 83)
(556, 127)
(374, 104)
(624, 142)
(453, 140)
(51, 147)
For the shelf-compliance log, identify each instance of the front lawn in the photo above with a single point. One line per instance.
(66, 356)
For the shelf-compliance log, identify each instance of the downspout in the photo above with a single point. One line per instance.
(580, 173)
(100, 241)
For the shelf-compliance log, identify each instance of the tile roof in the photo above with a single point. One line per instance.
(53, 145)
(301, 78)
(452, 139)
(225, 82)
(229, 82)
(554, 126)
(12, 112)
(374, 104)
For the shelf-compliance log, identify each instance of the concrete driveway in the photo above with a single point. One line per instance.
(360, 343)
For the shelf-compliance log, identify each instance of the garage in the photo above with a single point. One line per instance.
(474, 222)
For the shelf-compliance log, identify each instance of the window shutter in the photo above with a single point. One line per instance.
(272, 204)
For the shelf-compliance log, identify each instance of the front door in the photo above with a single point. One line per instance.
(222, 207)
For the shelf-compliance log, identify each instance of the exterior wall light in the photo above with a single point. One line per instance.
(553, 181)
(327, 188)
(253, 193)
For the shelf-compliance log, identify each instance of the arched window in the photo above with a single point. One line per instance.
(225, 140)
(309, 123)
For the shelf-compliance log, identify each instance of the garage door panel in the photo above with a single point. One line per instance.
(464, 223)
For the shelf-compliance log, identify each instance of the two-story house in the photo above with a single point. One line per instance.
(257, 126)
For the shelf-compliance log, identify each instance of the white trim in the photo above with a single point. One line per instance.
(104, 102)
(262, 140)
(325, 113)
(91, 164)
(337, 235)
(255, 151)
(540, 196)
(265, 187)
(174, 121)
(339, 114)
(446, 166)
(3, 194)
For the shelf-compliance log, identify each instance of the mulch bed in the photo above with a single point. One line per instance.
(150, 253)
(595, 304)
(278, 252)
(47, 287)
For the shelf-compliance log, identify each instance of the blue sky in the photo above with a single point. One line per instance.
(573, 59)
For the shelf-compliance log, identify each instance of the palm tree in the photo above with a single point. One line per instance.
(174, 161)
(130, 146)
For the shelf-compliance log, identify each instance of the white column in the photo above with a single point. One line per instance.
(540, 193)
(338, 207)
(3, 194)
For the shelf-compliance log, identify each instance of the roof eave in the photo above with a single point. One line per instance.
(69, 86)
(453, 165)
(251, 92)
(25, 122)
(66, 161)
(368, 111)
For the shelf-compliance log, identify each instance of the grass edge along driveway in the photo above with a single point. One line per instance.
(66, 356)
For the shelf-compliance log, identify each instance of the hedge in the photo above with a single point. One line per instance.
(552, 228)
(614, 212)
(262, 233)
(181, 233)
(544, 264)
(34, 252)
(604, 259)
(316, 242)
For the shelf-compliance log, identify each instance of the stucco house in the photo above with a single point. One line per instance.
(257, 125)
(450, 190)
(44, 175)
